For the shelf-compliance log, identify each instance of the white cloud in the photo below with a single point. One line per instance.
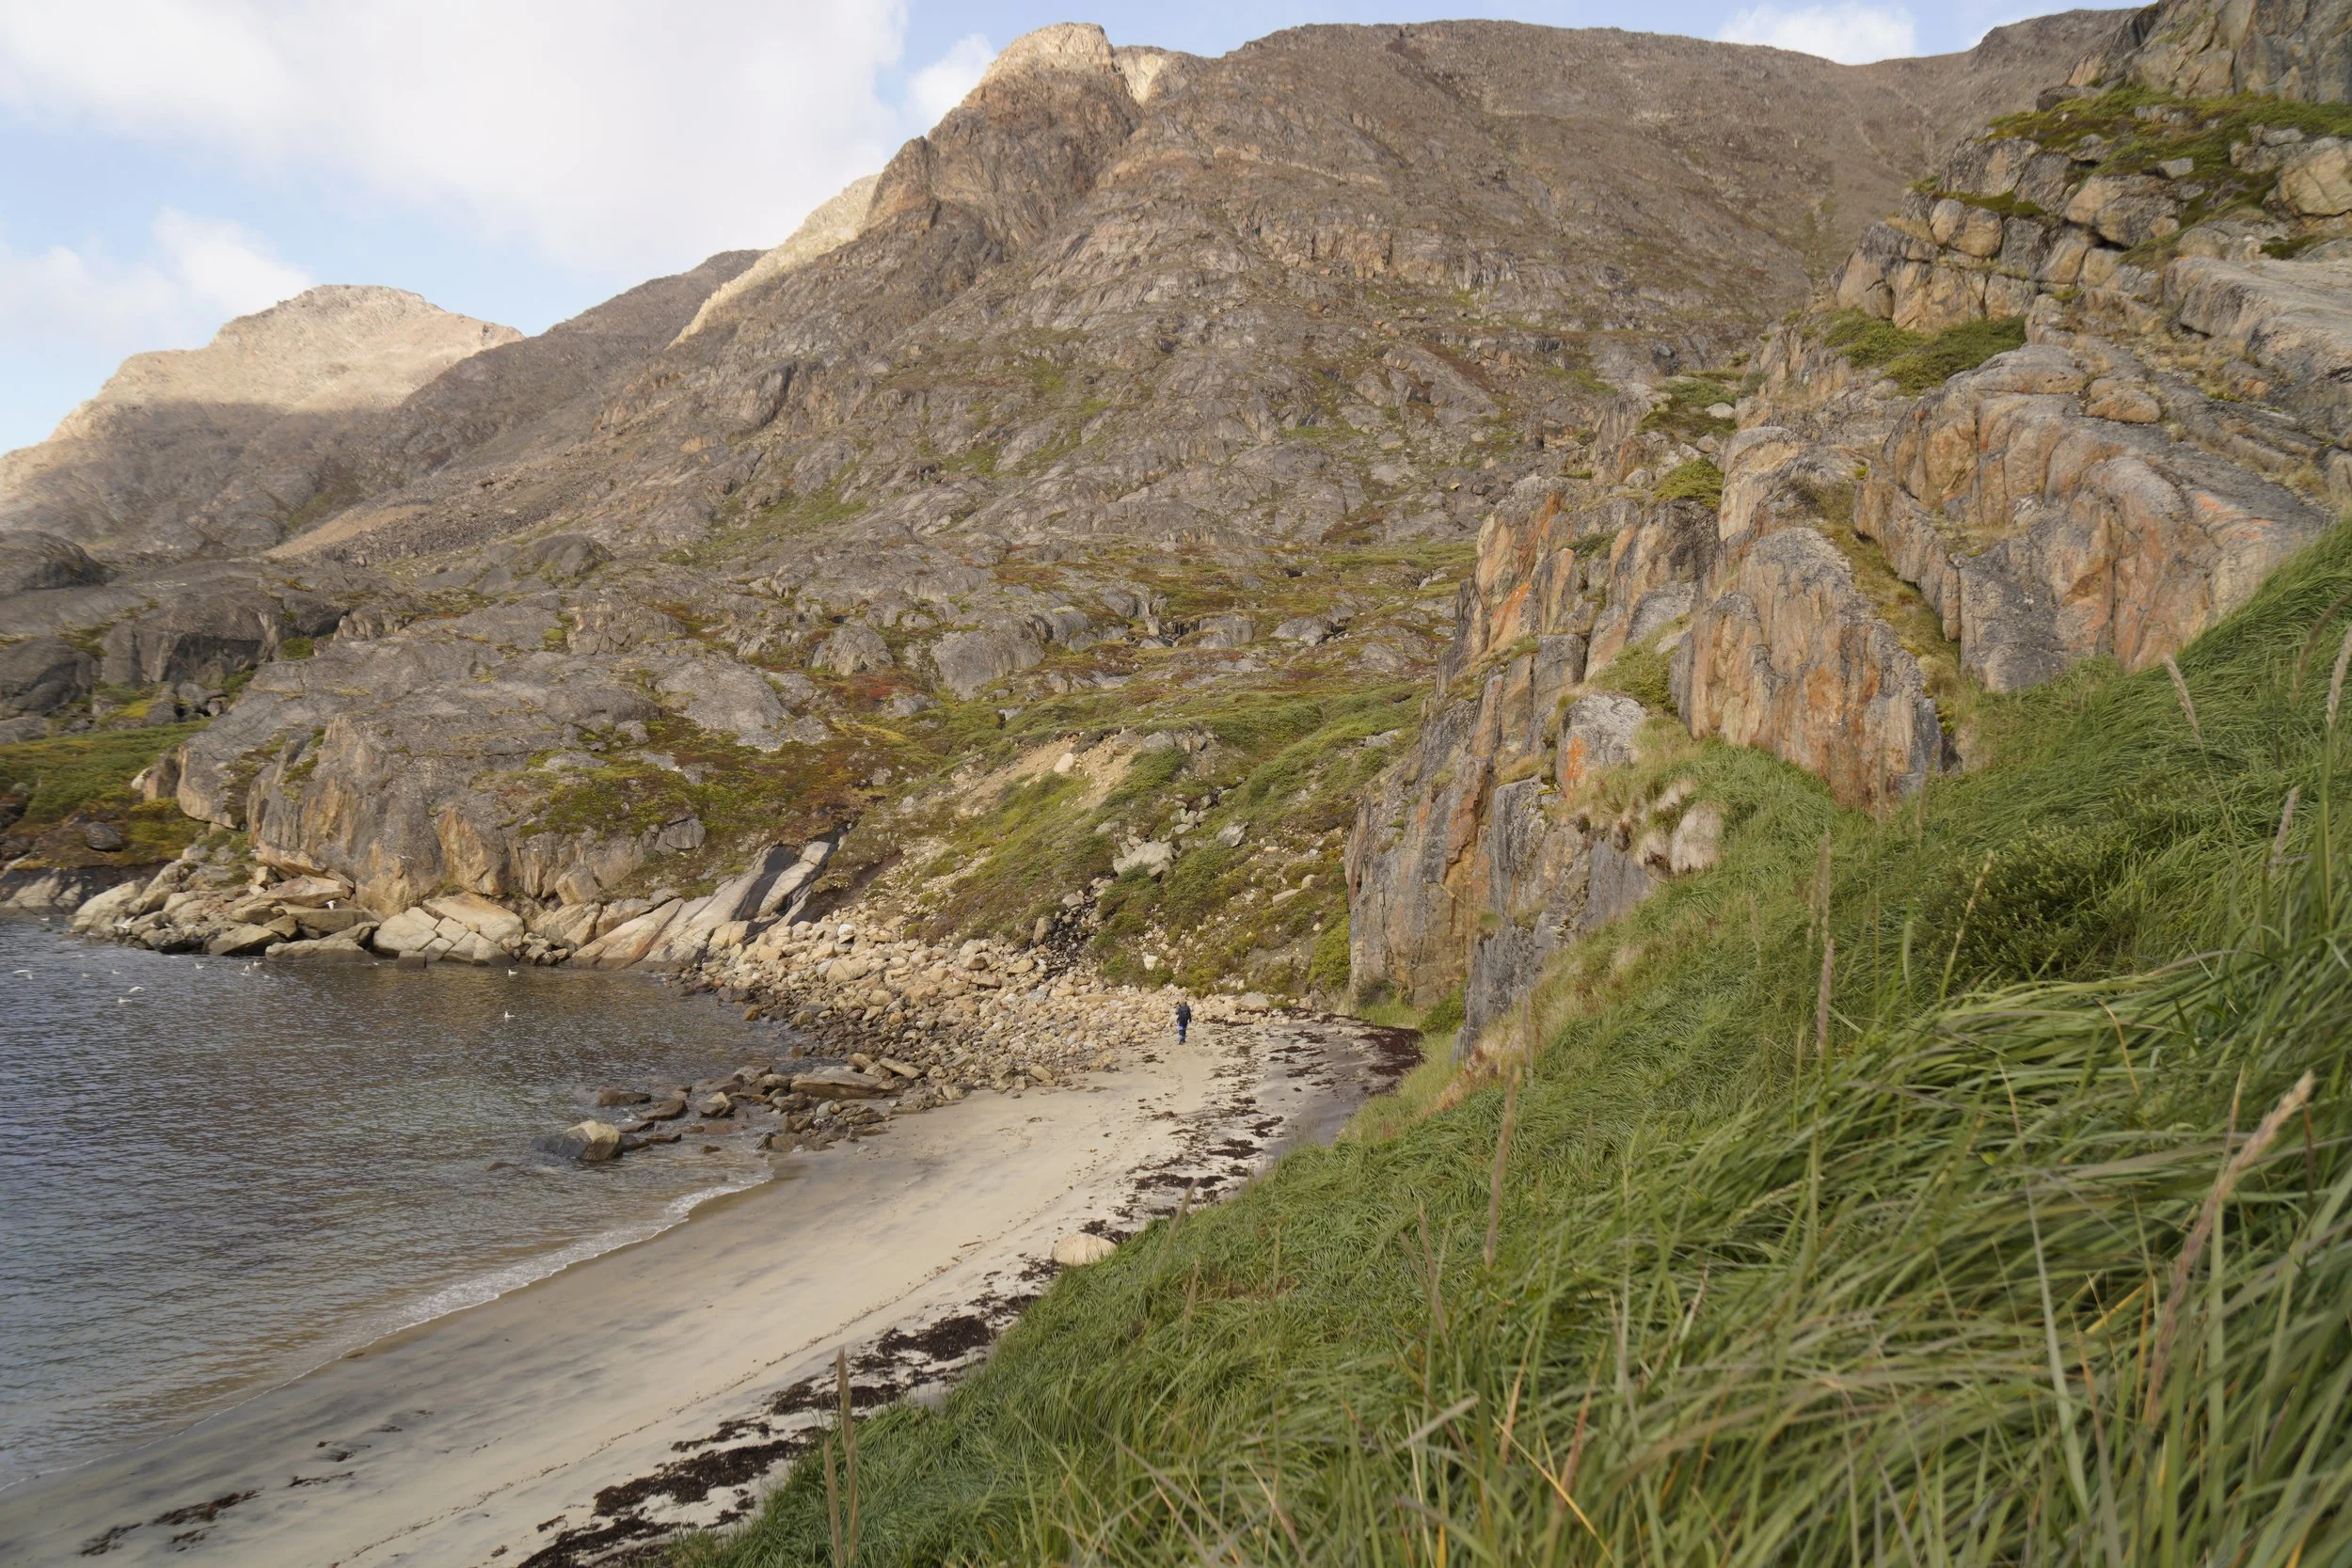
(940, 86)
(607, 134)
(1851, 33)
(198, 273)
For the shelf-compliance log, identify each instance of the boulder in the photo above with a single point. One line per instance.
(633, 940)
(664, 1110)
(311, 892)
(1153, 858)
(966, 661)
(2126, 210)
(411, 930)
(103, 837)
(852, 649)
(30, 560)
(43, 675)
(1698, 841)
(2317, 180)
(622, 1096)
(573, 925)
(590, 1143)
(478, 915)
(474, 948)
(102, 910)
(1227, 631)
(1080, 1247)
(563, 557)
(837, 1083)
(240, 940)
(1306, 630)
(345, 947)
(715, 1105)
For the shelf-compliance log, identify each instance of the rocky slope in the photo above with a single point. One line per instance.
(1145, 411)
(2075, 400)
(211, 451)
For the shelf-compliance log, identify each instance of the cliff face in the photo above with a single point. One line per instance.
(2074, 400)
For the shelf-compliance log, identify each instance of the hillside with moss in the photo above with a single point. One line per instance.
(1993, 1152)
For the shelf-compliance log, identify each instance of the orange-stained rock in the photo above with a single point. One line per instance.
(2043, 535)
(1788, 656)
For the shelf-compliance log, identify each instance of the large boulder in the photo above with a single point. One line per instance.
(43, 675)
(204, 638)
(968, 660)
(479, 915)
(343, 948)
(563, 557)
(31, 561)
(852, 649)
(2317, 181)
(1228, 631)
(837, 1083)
(101, 909)
(590, 1143)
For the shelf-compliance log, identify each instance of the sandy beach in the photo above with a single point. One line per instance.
(658, 1386)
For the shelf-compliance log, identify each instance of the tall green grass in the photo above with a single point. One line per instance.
(2030, 1246)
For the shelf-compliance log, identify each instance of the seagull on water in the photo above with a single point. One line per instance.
(27, 973)
(512, 972)
(506, 1015)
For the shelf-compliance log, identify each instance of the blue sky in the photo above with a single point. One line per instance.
(166, 165)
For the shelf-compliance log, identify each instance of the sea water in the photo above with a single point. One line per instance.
(217, 1173)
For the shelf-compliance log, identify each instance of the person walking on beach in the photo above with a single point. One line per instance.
(1184, 1020)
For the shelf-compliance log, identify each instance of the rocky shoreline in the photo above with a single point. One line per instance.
(877, 1024)
(705, 1341)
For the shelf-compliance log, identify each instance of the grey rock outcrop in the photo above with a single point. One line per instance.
(2299, 49)
(43, 675)
(30, 560)
(970, 660)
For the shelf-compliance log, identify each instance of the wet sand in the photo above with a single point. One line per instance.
(659, 1385)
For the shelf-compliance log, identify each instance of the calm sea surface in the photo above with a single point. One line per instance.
(216, 1174)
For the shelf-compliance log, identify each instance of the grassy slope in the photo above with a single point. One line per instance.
(1907, 1304)
(86, 777)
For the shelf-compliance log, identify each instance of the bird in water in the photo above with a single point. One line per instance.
(506, 1015)
(512, 972)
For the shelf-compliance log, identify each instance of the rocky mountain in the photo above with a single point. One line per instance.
(1064, 523)
(2074, 399)
(212, 450)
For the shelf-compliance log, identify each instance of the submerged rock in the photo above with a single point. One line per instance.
(590, 1143)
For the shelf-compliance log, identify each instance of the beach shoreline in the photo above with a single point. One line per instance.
(656, 1386)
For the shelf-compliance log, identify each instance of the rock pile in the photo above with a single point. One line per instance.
(197, 905)
(947, 1020)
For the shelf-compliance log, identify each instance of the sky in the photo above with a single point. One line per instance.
(167, 164)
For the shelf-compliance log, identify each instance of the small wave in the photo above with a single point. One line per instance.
(488, 1287)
